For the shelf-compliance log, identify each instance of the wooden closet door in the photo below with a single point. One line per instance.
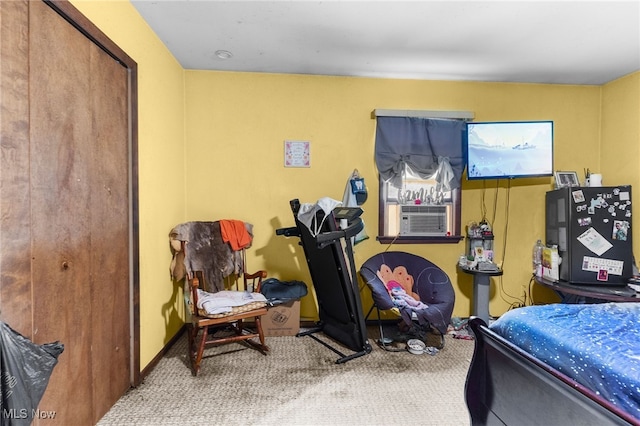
(109, 224)
(80, 216)
(15, 220)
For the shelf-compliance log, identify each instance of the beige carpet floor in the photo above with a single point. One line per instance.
(298, 383)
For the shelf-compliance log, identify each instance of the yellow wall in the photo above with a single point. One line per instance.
(211, 147)
(620, 147)
(161, 164)
(237, 123)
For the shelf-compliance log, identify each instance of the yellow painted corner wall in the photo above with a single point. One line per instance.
(160, 166)
(620, 148)
(236, 125)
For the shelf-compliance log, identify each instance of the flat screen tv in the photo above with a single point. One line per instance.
(509, 149)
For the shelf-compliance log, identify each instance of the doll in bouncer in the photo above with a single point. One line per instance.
(399, 284)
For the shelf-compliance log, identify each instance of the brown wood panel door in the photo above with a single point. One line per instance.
(61, 239)
(109, 212)
(15, 233)
(80, 216)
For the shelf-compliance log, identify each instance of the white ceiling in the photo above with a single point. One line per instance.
(565, 42)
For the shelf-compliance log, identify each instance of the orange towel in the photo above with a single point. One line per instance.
(235, 233)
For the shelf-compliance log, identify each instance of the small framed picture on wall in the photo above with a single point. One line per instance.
(297, 154)
(566, 179)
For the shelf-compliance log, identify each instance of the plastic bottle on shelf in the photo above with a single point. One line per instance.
(537, 258)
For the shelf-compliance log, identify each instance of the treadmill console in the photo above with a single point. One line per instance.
(349, 213)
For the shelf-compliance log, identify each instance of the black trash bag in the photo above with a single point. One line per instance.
(277, 291)
(25, 371)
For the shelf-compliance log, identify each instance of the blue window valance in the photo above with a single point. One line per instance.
(428, 146)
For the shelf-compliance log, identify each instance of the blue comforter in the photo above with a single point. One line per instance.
(597, 345)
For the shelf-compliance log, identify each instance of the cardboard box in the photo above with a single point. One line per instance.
(282, 320)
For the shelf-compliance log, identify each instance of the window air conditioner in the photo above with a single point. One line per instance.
(418, 220)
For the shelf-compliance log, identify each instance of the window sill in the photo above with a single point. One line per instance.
(453, 239)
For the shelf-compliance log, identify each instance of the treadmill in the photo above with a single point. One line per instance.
(335, 282)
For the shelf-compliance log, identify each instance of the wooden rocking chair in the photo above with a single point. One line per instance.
(208, 330)
(202, 263)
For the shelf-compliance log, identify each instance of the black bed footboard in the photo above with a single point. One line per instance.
(507, 386)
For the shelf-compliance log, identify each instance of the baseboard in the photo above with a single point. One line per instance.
(309, 324)
(149, 368)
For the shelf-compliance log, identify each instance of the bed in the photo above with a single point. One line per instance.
(557, 364)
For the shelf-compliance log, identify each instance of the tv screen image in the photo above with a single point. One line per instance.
(509, 149)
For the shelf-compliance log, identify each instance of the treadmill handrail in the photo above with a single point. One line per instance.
(292, 231)
(326, 238)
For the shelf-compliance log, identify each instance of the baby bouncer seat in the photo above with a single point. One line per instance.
(417, 289)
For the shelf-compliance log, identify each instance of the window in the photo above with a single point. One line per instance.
(418, 211)
(420, 163)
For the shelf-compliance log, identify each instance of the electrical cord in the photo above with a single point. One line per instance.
(495, 202)
(483, 206)
(515, 300)
(392, 241)
(531, 282)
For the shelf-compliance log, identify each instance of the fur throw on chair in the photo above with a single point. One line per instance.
(205, 251)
